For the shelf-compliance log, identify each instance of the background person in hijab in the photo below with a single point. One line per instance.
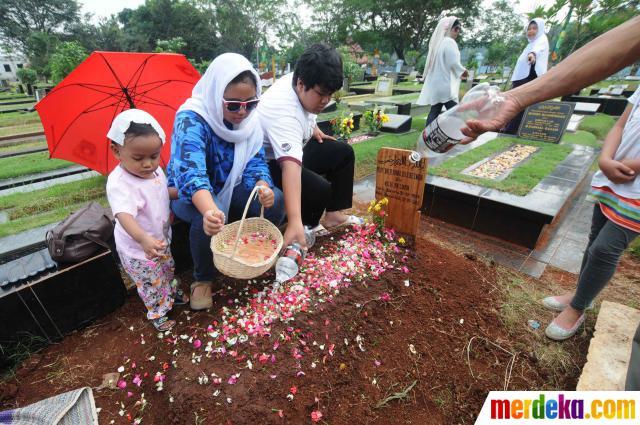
(217, 159)
(531, 63)
(442, 70)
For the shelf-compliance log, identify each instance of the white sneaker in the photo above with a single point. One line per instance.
(558, 333)
(552, 303)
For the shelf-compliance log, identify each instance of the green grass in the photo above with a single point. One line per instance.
(599, 125)
(4, 107)
(18, 118)
(21, 129)
(40, 143)
(25, 223)
(14, 96)
(341, 107)
(49, 205)
(580, 137)
(366, 152)
(634, 248)
(29, 164)
(521, 180)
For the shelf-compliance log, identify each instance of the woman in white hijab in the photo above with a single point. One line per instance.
(531, 63)
(442, 70)
(217, 159)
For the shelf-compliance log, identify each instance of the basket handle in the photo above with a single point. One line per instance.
(253, 194)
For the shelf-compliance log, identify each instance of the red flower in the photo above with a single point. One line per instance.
(316, 415)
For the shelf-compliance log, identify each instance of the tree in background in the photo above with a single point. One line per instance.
(175, 45)
(20, 18)
(501, 30)
(68, 55)
(390, 25)
(28, 77)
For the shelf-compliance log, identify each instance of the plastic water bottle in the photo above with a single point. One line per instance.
(288, 265)
(481, 102)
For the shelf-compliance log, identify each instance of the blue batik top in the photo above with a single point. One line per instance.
(202, 160)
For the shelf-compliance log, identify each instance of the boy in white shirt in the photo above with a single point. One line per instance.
(314, 170)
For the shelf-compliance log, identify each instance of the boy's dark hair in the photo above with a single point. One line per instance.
(244, 77)
(136, 130)
(319, 65)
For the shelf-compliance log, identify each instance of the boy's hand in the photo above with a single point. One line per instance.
(213, 222)
(320, 136)
(265, 195)
(295, 233)
(153, 248)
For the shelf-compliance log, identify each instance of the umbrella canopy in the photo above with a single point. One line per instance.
(77, 113)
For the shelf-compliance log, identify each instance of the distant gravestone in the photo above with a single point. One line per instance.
(402, 183)
(384, 87)
(545, 121)
(412, 76)
(397, 123)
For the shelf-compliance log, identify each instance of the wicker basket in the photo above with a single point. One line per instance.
(232, 266)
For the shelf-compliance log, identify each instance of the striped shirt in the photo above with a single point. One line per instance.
(620, 203)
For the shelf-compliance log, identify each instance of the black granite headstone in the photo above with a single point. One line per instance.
(545, 121)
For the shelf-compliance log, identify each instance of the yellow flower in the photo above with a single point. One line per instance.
(372, 203)
(384, 201)
(377, 207)
(385, 118)
(402, 241)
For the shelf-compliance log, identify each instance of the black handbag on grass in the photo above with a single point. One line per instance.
(81, 235)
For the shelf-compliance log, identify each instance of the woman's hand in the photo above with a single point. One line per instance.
(213, 222)
(152, 247)
(531, 58)
(616, 171)
(265, 195)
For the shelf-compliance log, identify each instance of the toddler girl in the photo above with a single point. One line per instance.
(139, 199)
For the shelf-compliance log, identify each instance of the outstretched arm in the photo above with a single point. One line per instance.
(593, 62)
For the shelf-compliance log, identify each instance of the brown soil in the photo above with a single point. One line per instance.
(420, 335)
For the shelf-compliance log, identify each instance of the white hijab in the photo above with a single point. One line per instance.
(443, 29)
(206, 100)
(538, 45)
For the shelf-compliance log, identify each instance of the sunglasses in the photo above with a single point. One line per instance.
(235, 105)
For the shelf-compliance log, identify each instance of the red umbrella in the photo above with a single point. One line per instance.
(77, 113)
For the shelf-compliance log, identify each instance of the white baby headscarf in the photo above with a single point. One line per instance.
(123, 120)
(442, 30)
(207, 101)
(540, 46)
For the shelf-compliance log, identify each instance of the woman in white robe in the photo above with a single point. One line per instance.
(442, 70)
(531, 63)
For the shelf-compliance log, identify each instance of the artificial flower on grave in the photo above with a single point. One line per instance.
(377, 211)
(343, 126)
(374, 118)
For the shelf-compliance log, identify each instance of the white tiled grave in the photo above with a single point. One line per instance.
(586, 108)
(574, 122)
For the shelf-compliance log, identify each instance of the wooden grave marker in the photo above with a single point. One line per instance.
(402, 183)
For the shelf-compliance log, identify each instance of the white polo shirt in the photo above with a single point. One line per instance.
(287, 126)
